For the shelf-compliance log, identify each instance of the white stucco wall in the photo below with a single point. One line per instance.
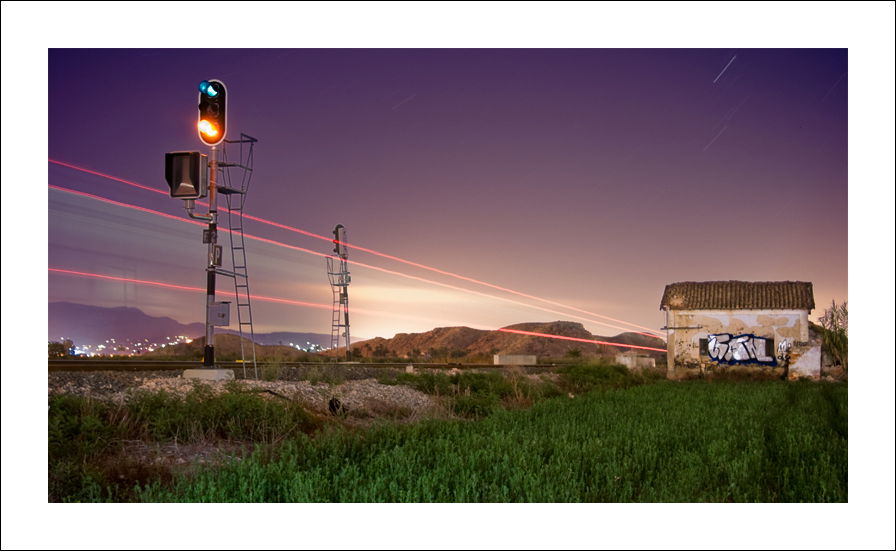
(809, 363)
(687, 327)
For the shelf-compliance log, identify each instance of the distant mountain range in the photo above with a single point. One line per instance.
(85, 324)
(444, 343)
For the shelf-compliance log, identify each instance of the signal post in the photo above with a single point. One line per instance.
(211, 237)
(191, 175)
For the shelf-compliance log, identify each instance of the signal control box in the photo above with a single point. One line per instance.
(219, 314)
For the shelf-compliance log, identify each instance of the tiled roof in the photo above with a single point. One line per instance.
(738, 295)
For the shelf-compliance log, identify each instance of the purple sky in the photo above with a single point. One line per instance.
(588, 177)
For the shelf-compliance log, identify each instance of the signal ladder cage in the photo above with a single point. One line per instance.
(337, 270)
(236, 200)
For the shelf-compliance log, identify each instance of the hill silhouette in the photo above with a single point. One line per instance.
(445, 343)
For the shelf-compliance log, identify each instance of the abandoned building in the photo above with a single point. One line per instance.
(716, 326)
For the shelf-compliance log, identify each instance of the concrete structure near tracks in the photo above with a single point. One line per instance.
(208, 374)
(635, 361)
(515, 359)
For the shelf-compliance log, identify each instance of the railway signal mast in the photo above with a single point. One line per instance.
(337, 270)
(192, 175)
(212, 127)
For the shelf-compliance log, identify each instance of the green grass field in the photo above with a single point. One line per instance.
(656, 442)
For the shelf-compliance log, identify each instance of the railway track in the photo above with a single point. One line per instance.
(173, 365)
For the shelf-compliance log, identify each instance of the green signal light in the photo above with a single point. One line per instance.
(208, 88)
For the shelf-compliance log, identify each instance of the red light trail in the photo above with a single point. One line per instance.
(126, 205)
(187, 288)
(532, 333)
(317, 305)
(651, 332)
(109, 176)
(279, 300)
(354, 262)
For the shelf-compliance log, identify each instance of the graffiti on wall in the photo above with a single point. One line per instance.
(740, 349)
(784, 348)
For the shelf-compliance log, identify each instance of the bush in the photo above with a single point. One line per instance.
(474, 405)
(232, 415)
(582, 378)
(271, 372)
(430, 383)
(77, 436)
(476, 394)
(324, 374)
(835, 322)
(482, 383)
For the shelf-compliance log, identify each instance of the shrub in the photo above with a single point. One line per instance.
(581, 378)
(474, 405)
(428, 382)
(476, 394)
(836, 333)
(324, 374)
(482, 383)
(271, 372)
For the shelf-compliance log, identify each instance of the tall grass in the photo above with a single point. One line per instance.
(669, 442)
(474, 394)
(580, 378)
(84, 433)
(471, 394)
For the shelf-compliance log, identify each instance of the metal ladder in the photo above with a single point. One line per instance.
(338, 275)
(236, 200)
(336, 318)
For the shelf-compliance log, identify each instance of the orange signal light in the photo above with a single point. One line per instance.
(208, 128)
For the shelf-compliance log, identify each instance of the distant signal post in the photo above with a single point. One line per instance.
(337, 270)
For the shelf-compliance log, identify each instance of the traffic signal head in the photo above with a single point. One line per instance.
(339, 241)
(187, 174)
(212, 124)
